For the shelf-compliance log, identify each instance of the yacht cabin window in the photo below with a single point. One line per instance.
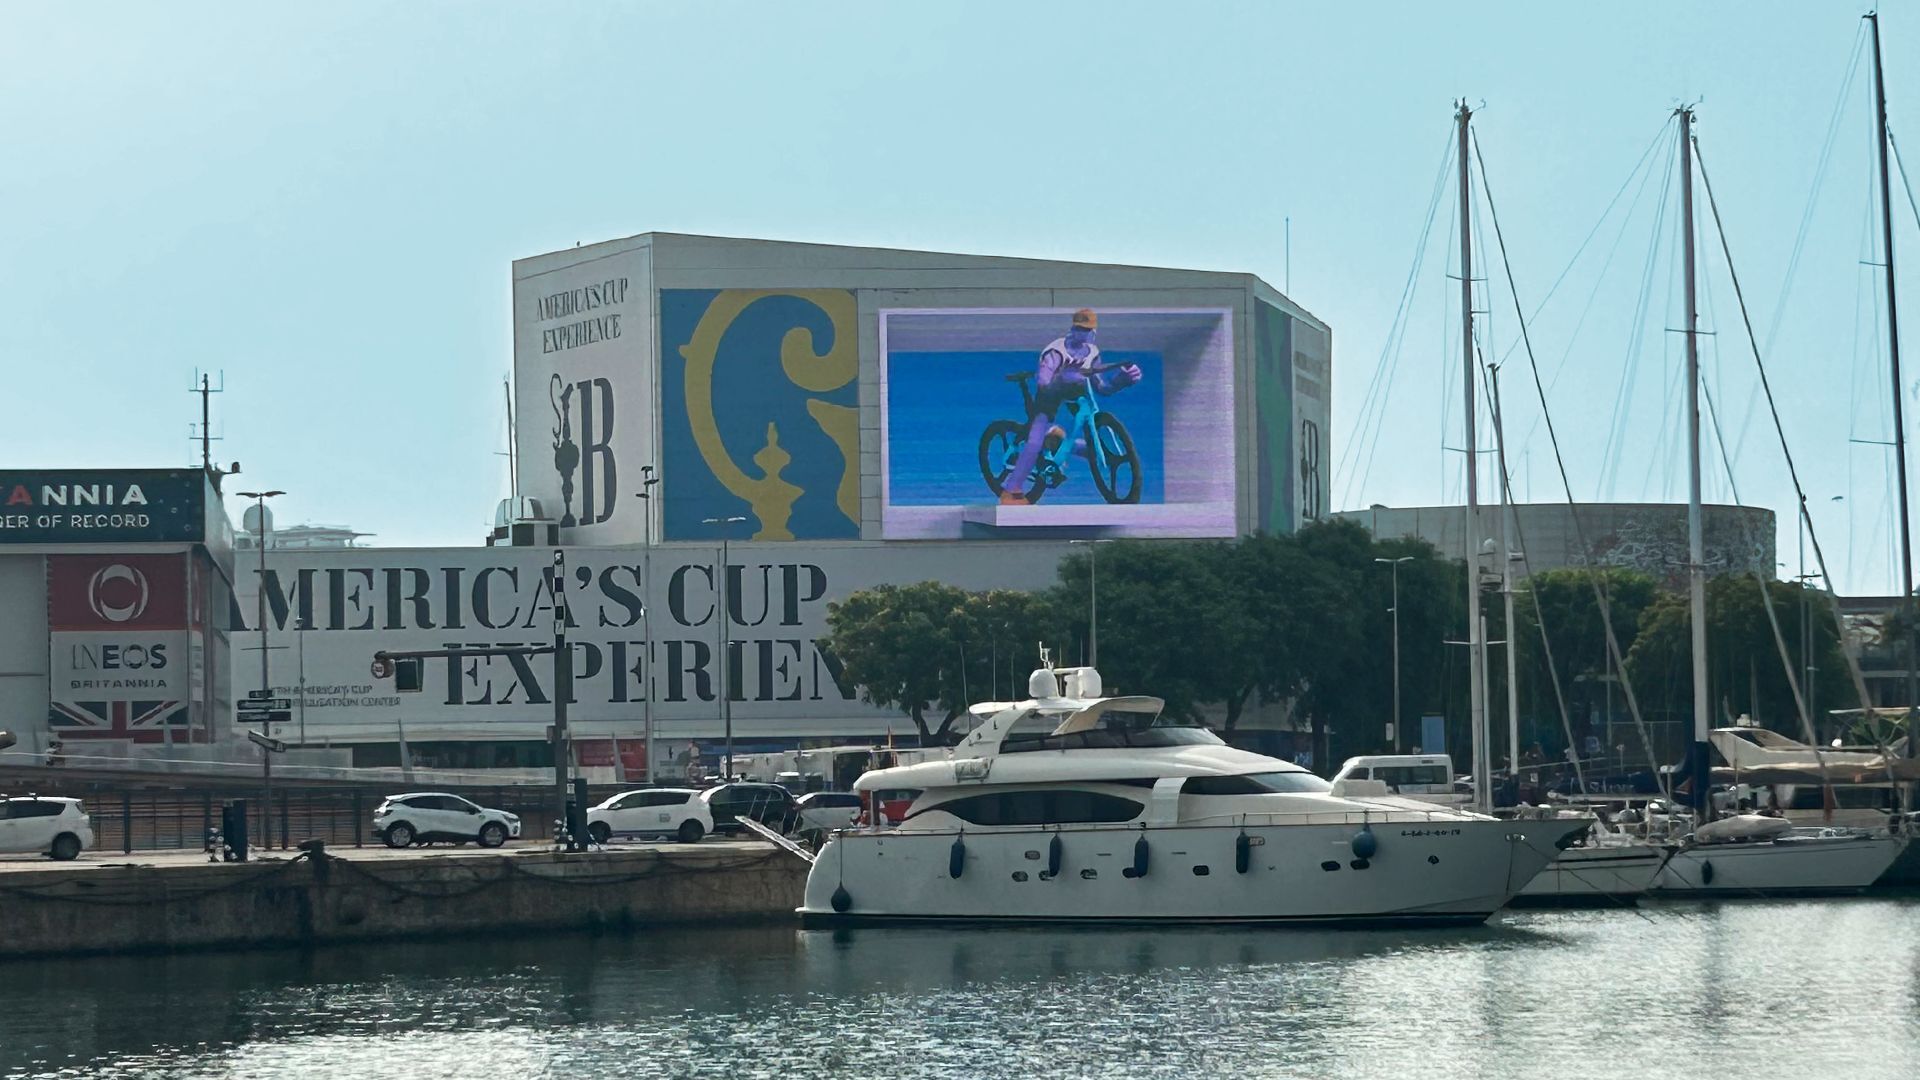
(1057, 806)
(1269, 783)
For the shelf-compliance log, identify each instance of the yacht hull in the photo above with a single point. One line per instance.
(1615, 874)
(1450, 872)
(1792, 866)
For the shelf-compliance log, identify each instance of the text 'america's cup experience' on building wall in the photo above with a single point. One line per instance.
(329, 611)
(583, 402)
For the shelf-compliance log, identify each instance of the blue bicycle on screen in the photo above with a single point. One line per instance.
(1080, 429)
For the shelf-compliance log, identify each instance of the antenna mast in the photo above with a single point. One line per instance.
(203, 386)
(513, 463)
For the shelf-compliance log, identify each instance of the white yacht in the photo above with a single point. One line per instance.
(1076, 807)
(1757, 755)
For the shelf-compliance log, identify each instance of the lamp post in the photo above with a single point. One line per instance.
(562, 691)
(723, 587)
(1093, 599)
(1394, 734)
(645, 494)
(260, 617)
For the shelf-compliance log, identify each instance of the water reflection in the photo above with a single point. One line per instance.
(1810, 987)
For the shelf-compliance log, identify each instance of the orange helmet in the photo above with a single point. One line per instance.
(1085, 319)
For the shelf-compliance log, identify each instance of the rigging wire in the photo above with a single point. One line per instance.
(1904, 182)
(1594, 577)
(1616, 433)
(1526, 568)
(1773, 408)
(1819, 178)
(1593, 294)
(1380, 387)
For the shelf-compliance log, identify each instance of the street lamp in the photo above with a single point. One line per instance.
(1394, 733)
(260, 616)
(724, 588)
(1093, 599)
(645, 494)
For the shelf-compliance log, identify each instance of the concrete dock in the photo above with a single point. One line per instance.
(167, 901)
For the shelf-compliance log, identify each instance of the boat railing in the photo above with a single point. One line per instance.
(1438, 815)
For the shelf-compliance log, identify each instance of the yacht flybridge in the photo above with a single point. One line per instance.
(1077, 807)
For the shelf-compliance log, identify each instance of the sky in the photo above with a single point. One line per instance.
(319, 204)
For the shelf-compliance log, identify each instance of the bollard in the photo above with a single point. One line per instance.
(126, 822)
(359, 829)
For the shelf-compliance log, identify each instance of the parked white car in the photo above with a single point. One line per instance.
(676, 812)
(56, 827)
(429, 816)
(825, 811)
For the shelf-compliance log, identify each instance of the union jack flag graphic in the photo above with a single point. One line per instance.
(138, 721)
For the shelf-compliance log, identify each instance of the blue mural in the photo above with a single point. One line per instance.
(759, 395)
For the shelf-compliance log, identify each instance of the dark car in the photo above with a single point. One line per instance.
(769, 804)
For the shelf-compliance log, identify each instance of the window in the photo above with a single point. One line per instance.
(1269, 783)
(663, 798)
(1059, 806)
(1409, 775)
(32, 808)
(1108, 738)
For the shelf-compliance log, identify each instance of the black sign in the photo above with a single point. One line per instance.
(103, 506)
(270, 716)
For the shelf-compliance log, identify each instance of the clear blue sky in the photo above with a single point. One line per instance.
(322, 202)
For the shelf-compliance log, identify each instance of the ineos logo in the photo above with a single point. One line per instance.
(117, 593)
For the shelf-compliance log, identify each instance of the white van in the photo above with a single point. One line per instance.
(1426, 777)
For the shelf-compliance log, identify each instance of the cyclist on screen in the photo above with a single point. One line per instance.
(1065, 369)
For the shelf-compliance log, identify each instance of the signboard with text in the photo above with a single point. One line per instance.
(329, 611)
(117, 645)
(103, 506)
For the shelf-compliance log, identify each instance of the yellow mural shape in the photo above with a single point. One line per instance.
(771, 497)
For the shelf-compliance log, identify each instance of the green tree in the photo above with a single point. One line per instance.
(928, 648)
(1744, 669)
(1171, 623)
(1564, 600)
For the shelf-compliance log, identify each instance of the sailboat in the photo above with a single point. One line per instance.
(1743, 855)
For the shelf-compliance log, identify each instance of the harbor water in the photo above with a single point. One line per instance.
(1776, 988)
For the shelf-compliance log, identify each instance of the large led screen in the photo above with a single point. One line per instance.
(1024, 421)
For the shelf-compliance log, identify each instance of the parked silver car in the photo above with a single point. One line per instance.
(428, 816)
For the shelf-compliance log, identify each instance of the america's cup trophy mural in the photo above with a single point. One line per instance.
(566, 454)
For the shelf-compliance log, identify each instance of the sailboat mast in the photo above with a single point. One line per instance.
(1696, 544)
(1476, 630)
(1506, 577)
(1893, 353)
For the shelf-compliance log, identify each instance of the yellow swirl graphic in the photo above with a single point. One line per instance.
(771, 497)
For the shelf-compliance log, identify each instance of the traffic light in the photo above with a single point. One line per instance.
(406, 675)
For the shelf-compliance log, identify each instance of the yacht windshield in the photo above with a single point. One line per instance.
(1115, 730)
(1265, 783)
